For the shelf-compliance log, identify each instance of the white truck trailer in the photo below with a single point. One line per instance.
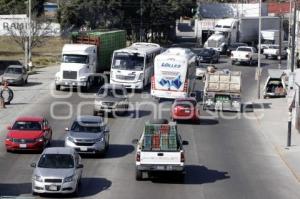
(232, 30)
(222, 91)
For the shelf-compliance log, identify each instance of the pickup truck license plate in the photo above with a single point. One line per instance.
(23, 145)
(53, 188)
(83, 148)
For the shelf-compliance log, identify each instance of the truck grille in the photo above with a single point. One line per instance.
(125, 77)
(70, 74)
(53, 180)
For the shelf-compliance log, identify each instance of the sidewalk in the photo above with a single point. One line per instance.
(274, 126)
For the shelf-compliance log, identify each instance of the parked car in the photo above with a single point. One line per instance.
(111, 99)
(206, 55)
(185, 109)
(273, 52)
(233, 47)
(15, 75)
(28, 133)
(276, 84)
(58, 170)
(88, 134)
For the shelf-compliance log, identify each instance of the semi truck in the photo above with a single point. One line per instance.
(160, 149)
(222, 91)
(232, 30)
(86, 57)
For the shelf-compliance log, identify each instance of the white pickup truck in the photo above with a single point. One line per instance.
(160, 148)
(244, 54)
(273, 52)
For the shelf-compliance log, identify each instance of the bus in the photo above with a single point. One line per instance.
(174, 74)
(133, 66)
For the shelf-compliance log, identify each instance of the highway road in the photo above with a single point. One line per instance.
(226, 158)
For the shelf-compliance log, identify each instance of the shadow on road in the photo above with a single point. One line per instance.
(195, 174)
(88, 187)
(14, 189)
(30, 84)
(114, 151)
(208, 121)
(251, 107)
(139, 113)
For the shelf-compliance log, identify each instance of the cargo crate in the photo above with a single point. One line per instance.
(164, 142)
(155, 142)
(172, 142)
(147, 145)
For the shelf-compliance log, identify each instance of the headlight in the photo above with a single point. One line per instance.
(69, 179)
(41, 139)
(99, 139)
(141, 77)
(70, 139)
(37, 178)
(9, 139)
(83, 78)
(98, 102)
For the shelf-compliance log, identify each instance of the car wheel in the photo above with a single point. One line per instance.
(34, 193)
(138, 175)
(232, 62)
(95, 113)
(26, 81)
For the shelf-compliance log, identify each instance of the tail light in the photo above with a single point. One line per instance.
(138, 156)
(182, 158)
(185, 87)
(152, 82)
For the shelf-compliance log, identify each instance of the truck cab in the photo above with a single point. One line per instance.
(77, 65)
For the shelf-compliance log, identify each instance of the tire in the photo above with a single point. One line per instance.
(26, 81)
(10, 95)
(266, 56)
(250, 62)
(86, 88)
(232, 62)
(159, 121)
(95, 113)
(138, 175)
(34, 193)
(57, 87)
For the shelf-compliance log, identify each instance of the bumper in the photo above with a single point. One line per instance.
(160, 167)
(98, 147)
(11, 146)
(188, 116)
(274, 94)
(70, 83)
(168, 94)
(234, 106)
(105, 109)
(63, 188)
(14, 82)
(240, 59)
(129, 85)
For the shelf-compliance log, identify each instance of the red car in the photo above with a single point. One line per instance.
(28, 133)
(185, 109)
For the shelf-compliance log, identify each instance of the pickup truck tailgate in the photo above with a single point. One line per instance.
(240, 54)
(160, 158)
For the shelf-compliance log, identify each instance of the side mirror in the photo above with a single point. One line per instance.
(80, 166)
(67, 129)
(134, 141)
(184, 142)
(33, 164)
(9, 128)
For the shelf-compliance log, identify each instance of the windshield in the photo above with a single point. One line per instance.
(112, 92)
(27, 126)
(56, 161)
(12, 70)
(81, 59)
(205, 53)
(88, 127)
(244, 49)
(126, 61)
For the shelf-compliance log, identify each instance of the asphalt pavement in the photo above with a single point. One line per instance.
(227, 156)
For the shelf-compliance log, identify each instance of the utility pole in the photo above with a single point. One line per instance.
(280, 39)
(258, 72)
(141, 20)
(29, 32)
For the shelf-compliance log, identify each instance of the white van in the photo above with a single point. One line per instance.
(174, 74)
(133, 66)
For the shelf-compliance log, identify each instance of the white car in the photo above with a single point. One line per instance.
(58, 170)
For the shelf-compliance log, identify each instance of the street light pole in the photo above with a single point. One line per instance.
(141, 20)
(294, 37)
(258, 72)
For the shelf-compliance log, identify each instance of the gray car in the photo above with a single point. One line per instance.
(15, 75)
(58, 170)
(111, 99)
(88, 134)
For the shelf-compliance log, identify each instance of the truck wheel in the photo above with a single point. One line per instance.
(57, 87)
(138, 175)
(86, 88)
(232, 62)
(250, 62)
